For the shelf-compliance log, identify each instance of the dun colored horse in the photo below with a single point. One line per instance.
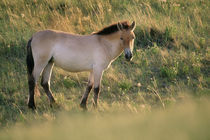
(76, 53)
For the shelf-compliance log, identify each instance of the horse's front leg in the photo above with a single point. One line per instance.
(83, 102)
(98, 72)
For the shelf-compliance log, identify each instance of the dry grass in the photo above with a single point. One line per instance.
(138, 99)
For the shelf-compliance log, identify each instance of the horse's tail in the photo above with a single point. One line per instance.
(29, 58)
(31, 81)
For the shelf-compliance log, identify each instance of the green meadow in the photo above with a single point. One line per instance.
(164, 93)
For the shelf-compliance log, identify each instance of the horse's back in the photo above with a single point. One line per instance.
(70, 52)
(50, 38)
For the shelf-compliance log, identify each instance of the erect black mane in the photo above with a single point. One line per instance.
(112, 28)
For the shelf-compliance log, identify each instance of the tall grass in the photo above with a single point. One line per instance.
(171, 64)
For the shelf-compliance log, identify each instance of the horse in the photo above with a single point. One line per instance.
(76, 53)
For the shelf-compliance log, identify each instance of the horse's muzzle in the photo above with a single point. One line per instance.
(128, 56)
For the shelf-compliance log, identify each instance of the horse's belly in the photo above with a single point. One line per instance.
(73, 67)
(73, 63)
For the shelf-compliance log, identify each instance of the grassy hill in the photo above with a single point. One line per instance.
(171, 66)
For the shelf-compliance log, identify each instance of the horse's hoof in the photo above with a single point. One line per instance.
(83, 106)
(31, 106)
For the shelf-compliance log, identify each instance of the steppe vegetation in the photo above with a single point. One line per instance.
(162, 94)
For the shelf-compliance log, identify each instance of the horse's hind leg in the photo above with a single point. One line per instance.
(45, 82)
(31, 83)
(32, 80)
(83, 103)
(34, 68)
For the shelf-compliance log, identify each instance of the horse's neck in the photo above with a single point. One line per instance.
(113, 47)
(116, 50)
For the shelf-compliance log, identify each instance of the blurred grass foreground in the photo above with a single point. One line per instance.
(189, 121)
(162, 94)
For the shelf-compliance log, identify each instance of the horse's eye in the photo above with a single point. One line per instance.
(121, 38)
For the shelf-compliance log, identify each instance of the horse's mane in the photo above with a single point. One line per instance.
(112, 28)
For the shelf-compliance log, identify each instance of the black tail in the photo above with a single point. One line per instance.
(31, 82)
(29, 59)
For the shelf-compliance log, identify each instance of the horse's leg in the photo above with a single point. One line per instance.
(97, 81)
(31, 84)
(32, 80)
(45, 82)
(83, 102)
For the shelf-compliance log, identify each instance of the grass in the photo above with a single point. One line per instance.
(138, 99)
(185, 122)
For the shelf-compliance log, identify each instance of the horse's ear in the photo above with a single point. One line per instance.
(119, 26)
(133, 25)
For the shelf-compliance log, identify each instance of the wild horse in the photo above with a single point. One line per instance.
(76, 53)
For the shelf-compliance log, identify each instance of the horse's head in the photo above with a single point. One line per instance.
(127, 38)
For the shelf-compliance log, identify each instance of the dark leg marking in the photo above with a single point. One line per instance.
(96, 96)
(31, 83)
(83, 102)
